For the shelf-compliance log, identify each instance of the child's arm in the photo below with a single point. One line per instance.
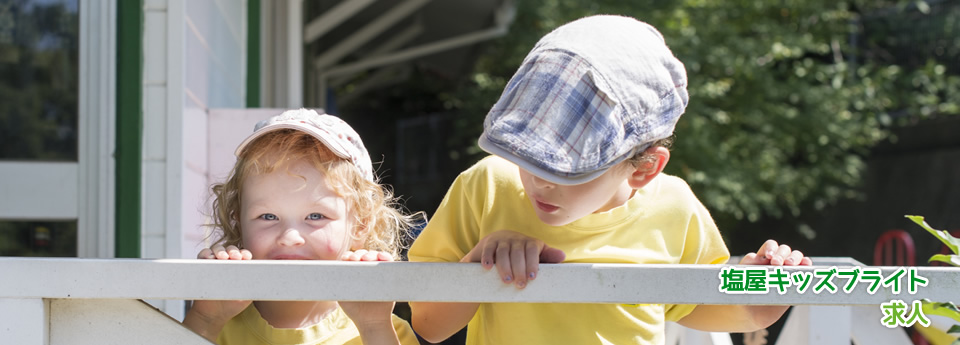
(517, 258)
(207, 317)
(744, 318)
(373, 319)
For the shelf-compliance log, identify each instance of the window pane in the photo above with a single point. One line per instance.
(39, 49)
(38, 239)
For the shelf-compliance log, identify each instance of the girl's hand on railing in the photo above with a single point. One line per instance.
(207, 317)
(517, 256)
(229, 253)
(373, 319)
(772, 253)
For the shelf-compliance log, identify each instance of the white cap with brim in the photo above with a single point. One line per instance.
(333, 132)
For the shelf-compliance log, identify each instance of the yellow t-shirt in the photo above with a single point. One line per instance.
(249, 328)
(663, 223)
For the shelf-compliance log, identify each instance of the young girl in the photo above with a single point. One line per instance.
(302, 189)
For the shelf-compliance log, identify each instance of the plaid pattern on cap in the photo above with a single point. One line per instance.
(590, 94)
(333, 132)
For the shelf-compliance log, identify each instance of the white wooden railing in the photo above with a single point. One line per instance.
(94, 301)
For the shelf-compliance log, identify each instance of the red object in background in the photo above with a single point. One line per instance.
(41, 236)
(894, 248)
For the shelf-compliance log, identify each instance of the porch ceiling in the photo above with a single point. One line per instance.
(438, 36)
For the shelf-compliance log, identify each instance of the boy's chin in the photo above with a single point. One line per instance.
(553, 219)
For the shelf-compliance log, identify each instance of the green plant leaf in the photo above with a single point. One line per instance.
(947, 309)
(950, 259)
(954, 329)
(952, 242)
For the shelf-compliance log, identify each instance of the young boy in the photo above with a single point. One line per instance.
(578, 141)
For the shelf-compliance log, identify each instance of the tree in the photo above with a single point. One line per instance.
(787, 97)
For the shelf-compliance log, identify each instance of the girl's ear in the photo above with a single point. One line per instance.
(648, 169)
(359, 240)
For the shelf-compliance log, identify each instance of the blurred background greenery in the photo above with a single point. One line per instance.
(791, 101)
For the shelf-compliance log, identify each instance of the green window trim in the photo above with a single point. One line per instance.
(253, 53)
(129, 127)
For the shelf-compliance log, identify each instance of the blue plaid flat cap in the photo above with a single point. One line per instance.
(591, 94)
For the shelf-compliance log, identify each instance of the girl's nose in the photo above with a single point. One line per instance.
(291, 238)
(541, 183)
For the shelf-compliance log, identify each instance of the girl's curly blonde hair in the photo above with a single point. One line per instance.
(381, 224)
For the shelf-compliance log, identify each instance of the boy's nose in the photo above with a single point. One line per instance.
(290, 238)
(541, 183)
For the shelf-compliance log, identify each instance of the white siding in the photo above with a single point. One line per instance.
(194, 59)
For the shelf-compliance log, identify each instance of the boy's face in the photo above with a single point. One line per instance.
(562, 204)
(292, 214)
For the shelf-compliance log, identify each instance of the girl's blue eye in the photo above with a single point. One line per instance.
(315, 216)
(268, 216)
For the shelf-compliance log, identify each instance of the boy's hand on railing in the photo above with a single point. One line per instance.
(207, 317)
(772, 253)
(517, 256)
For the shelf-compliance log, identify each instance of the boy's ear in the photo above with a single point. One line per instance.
(647, 170)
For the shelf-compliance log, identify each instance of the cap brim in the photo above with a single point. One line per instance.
(321, 135)
(532, 168)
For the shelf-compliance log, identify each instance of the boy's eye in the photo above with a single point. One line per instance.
(315, 216)
(268, 216)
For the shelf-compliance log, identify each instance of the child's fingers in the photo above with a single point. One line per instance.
(780, 255)
(370, 256)
(220, 253)
(206, 253)
(518, 263)
(245, 255)
(753, 259)
(503, 263)
(488, 254)
(768, 249)
(806, 261)
(234, 253)
(382, 256)
(793, 259)
(533, 265)
(357, 255)
(551, 255)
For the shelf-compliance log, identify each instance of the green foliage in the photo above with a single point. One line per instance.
(39, 81)
(785, 104)
(951, 242)
(947, 309)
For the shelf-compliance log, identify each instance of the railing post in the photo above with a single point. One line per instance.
(24, 320)
(812, 324)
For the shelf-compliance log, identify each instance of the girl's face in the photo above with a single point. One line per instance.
(559, 205)
(292, 214)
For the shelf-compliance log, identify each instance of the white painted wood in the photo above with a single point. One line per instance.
(830, 325)
(173, 176)
(294, 57)
(281, 52)
(866, 329)
(97, 125)
(39, 190)
(226, 130)
(794, 331)
(331, 18)
(504, 17)
(23, 321)
(368, 32)
(112, 321)
(676, 334)
(412, 281)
